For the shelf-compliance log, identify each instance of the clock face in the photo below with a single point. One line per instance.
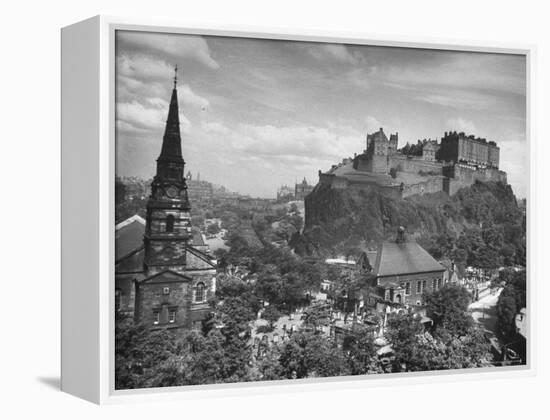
(172, 192)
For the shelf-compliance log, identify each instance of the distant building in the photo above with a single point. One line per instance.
(302, 189)
(405, 271)
(375, 156)
(199, 191)
(459, 148)
(430, 150)
(457, 162)
(285, 193)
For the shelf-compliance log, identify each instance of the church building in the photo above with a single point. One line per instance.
(405, 271)
(166, 280)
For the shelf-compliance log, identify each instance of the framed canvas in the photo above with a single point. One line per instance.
(253, 211)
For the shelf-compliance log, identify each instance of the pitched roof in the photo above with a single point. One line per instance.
(167, 276)
(197, 238)
(129, 249)
(129, 236)
(404, 258)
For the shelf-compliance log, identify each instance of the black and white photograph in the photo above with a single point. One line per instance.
(293, 210)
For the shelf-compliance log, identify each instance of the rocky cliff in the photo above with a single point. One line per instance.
(337, 220)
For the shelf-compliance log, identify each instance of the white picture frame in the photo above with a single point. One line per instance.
(88, 150)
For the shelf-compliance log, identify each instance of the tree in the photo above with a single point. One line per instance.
(308, 355)
(448, 308)
(317, 315)
(402, 333)
(213, 229)
(139, 353)
(271, 314)
(512, 298)
(416, 350)
(235, 316)
(360, 351)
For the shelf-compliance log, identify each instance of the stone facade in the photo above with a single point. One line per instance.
(173, 300)
(165, 281)
(458, 162)
(302, 189)
(375, 157)
(409, 289)
(457, 147)
(405, 271)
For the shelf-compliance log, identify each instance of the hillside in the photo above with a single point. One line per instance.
(339, 221)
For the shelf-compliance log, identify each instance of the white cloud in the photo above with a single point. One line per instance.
(460, 124)
(317, 146)
(134, 113)
(181, 46)
(215, 128)
(137, 116)
(458, 99)
(336, 52)
(462, 71)
(190, 98)
(141, 66)
(373, 124)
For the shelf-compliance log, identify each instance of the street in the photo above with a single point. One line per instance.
(484, 311)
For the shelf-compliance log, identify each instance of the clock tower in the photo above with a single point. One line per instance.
(168, 223)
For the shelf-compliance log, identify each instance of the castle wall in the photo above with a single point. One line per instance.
(415, 165)
(461, 176)
(362, 163)
(432, 185)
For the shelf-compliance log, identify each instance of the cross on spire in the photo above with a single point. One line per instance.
(175, 76)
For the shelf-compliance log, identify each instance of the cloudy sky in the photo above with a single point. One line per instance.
(256, 114)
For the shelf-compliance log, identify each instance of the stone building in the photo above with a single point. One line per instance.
(285, 193)
(376, 157)
(302, 189)
(430, 150)
(166, 281)
(199, 191)
(457, 162)
(405, 271)
(459, 148)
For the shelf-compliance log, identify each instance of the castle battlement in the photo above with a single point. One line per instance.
(457, 162)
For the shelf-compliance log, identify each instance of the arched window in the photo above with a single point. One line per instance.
(199, 292)
(169, 223)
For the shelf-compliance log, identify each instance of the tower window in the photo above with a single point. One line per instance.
(156, 317)
(169, 223)
(199, 292)
(172, 317)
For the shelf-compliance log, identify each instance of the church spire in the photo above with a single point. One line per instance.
(171, 142)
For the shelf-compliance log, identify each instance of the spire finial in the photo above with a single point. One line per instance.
(175, 76)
